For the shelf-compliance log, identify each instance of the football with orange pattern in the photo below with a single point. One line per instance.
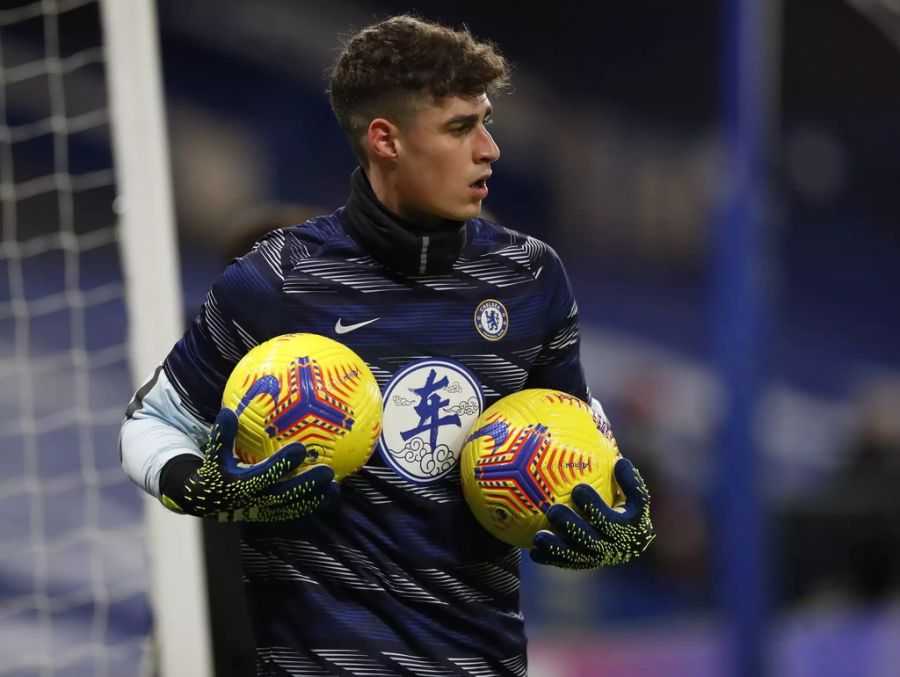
(527, 452)
(305, 388)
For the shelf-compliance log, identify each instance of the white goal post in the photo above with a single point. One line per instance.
(150, 263)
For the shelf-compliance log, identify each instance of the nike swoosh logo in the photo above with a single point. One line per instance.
(347, 328)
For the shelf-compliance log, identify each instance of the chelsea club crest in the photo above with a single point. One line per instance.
(491, 319)
(429, 406)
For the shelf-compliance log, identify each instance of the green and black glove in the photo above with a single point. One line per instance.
(608, 536)
(218, 487)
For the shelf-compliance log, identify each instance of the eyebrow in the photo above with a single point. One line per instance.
(470, 119)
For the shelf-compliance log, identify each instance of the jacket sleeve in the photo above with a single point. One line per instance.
(171, 414)
(558, 365)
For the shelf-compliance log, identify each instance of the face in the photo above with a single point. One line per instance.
(443, 160)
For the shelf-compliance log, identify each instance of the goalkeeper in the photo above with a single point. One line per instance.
(388, 573)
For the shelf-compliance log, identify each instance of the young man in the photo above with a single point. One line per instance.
(390, 574)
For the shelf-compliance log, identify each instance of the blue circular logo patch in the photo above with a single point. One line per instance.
(491, 319)
(429, 407)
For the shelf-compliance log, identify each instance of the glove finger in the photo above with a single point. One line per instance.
(289, 457)
(594, 507)
(632, 484)
(573, 528)
(552, 550)
(221, 444)
(590, 502)
(549, 541)
(329, 494)
(321, 497)
(271, 469)
(223, 431)
(294, 453)
(294, 505)
(287, 508)
(312, 481)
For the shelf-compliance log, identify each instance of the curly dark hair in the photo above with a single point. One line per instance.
(390, 67)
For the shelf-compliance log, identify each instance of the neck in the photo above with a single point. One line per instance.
(385, 188)
(396, 242)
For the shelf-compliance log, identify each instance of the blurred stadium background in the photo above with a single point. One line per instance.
(619, 147)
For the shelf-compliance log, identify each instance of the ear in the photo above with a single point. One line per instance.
(382, 135)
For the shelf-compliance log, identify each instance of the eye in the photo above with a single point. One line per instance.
(462, 130)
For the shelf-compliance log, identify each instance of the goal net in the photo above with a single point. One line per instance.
(76, 573)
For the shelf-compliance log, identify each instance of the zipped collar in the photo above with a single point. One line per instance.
(395, 242)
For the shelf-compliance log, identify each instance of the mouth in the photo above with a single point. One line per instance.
(479, 187)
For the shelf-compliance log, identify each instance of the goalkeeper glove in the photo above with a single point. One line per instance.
(608, 536)
(218, 487)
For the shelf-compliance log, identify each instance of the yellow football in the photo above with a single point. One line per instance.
(527, 452)
(305, 388)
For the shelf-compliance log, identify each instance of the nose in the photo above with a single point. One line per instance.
(488, 150)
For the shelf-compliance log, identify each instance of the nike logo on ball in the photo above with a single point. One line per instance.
(347, 328)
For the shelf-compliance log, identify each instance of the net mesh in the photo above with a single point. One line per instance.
(72, 561)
